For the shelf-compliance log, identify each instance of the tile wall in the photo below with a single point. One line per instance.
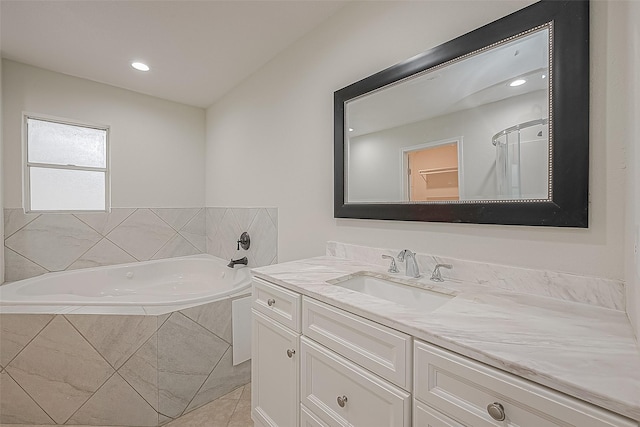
(115, 369)
(224, 226)
(39, 243)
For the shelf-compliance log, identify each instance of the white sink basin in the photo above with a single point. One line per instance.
(421, 299)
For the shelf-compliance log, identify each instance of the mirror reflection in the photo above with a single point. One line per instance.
(473, 129)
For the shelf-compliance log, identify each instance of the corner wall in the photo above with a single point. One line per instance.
(270, 142)
(631, 37)
(1, 185)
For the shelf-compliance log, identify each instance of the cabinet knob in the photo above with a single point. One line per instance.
(496, 411)
(290, 353)
(342, 400)
(271, 302)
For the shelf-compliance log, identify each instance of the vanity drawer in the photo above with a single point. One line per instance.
(382, 350)
(277, 303)
(426, 416)
(309, 419)
(341, 393)
(462, 389)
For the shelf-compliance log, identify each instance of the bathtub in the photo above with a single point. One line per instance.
(132, 344)
(168, 282)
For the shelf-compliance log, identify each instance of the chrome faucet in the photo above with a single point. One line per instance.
(412, 269)
(393, 268)
(436, 276)
(234, 262)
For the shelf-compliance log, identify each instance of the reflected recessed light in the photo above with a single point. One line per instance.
(140, 66)
(517, 82)
(350, 129)
(544, 76)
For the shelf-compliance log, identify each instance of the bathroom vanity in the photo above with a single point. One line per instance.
(330, 348)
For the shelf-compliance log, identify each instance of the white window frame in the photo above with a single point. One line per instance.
(26, 184)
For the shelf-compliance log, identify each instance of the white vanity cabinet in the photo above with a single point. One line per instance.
(452, 390)
(315, 365)
(275, 352)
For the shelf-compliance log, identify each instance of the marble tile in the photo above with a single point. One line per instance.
(15, 219)
(224, 378)
(215, 414)
(103, 223)
(142, 234)
(216, 317)
(53, 241)
(59, 369)
(103, 253)
(195, 231)
(234, 395)
(141, 371)
(115, 404)
(163, 419)
(241, 415)
(176, 247)
(273, 214)
(216, 247)
(244, 216)
(246, 392)
(16, 330)
(264, 240)
(214, 218)
(187, 353)
(18, 267)
(176, 217)
(115, 337)
(229, 232)
(16, 406)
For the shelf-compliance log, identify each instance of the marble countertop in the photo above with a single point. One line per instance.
(584, 351)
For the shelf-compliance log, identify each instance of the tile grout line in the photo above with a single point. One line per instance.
(30, 397)
(29, 222)
(53, 316)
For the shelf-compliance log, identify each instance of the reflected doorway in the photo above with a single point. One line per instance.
(432, 171)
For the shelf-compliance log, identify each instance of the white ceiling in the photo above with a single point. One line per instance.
(197, 50)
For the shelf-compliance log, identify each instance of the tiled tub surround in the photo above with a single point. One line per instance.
(583, 350)
(115, 369)
(40, 243)
(570, 287)
(225, 224)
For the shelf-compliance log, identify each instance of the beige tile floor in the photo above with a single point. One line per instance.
(230, 410)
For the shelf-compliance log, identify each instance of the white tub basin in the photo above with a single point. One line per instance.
(421, 299)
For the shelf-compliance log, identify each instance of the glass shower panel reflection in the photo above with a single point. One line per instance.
(522, 161)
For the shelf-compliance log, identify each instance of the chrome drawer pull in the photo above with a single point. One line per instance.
(290, 353)
(271, 302)
(342, 400)
(496, 411)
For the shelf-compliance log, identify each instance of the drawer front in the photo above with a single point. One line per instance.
(382, 350)
(277, 303)
(463, 388)
(309, 419)
(426, 416)
(341, 393)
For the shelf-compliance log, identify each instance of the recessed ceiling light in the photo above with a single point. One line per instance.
(140, 66)
(517, 82)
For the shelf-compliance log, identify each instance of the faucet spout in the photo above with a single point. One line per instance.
(234, 262)
(409, 257)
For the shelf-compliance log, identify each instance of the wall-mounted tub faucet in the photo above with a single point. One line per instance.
(393, 268)
(412, 269)
(234, 262)
(436, 276)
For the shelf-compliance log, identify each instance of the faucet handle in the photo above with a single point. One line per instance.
(393, 268)
(436, 276)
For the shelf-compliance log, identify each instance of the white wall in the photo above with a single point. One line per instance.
(630, 35)
(270, 142)
(1, 185)
(375, 169)
(156, 145)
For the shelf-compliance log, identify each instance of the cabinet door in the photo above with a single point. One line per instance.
(274, 373)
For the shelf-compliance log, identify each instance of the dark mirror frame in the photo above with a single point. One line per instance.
(569, 129)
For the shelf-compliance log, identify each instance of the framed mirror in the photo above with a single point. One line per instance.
(489, 128)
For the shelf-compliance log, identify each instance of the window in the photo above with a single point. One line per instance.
(66, 166)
